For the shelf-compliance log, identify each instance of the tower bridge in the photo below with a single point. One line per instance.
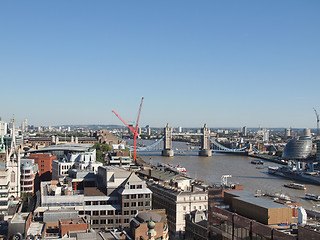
(205, 147)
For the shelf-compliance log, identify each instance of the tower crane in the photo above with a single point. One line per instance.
(317, 116)
(134, 130)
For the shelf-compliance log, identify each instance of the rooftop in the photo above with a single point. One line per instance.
(258, 201)
(93, 191)
(72, 221)
(77, 147)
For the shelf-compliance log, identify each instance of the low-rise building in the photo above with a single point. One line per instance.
(29, 176)
(117, 197)
(80, 161)
(44, 161)
(196, 225)
(176, 194)
(241, 215)
(140, 225)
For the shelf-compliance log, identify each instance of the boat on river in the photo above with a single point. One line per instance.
(292, 172)
(295, 186)
(313, 197)
(174, 168)
(257, 162)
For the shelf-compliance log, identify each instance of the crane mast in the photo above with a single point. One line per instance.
(134, 130)
(317, 116)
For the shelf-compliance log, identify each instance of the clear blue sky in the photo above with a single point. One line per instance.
(224, 63)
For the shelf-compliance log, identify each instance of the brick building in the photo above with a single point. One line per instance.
(44, 161)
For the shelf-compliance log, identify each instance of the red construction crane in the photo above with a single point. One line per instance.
(133, 130)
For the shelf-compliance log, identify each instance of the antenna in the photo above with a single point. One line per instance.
(317, 116)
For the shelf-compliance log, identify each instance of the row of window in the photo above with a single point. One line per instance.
(3, 187)
(136, 186)
(134, 204)
(100, 213)
(3, 203)
(195, 207)
(3, 195)
(25, 176)
(134, 196)
(133, 212)
(65, 167)
(26, 189)
(110, 221)
(26, 182)
(195, 198)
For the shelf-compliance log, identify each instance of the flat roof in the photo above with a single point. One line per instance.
(93, 191)
(258, 201)
(77, 147)
(69, 221)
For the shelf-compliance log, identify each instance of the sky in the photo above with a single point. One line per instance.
(225, 63)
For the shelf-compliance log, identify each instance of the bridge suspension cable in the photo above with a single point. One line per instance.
(150, 147)
(221, 147)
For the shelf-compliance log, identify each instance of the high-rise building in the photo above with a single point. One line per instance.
(306, 132)
(287, 133)
(265, 135)
(3, 128)
(244, 131)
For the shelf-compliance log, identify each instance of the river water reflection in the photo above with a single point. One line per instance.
(210, 170)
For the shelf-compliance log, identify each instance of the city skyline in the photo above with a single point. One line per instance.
(227, 64)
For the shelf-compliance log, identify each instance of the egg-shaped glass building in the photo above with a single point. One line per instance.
(298, 148)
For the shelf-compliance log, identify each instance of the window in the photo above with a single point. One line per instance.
(118, 220)
(200, 207)
(87, 203)
(126, 204)
(102, 221)
(140, 195)
(133, 204)
(95, 222)
(125, 196)
(110, 221)
(126, 213)
(132, 186)
(103, 212)
(147, 195)
(95, 213)
(126, 220)
(140, 204)
(95, 203)
(139, 186)
(184, 208)
(194, 207)
(103, 202)
(133, 196)
(88, 212)
(133, 212)
(147, 203)
(81, 212)
(110, 212)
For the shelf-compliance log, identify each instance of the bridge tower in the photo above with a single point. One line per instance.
(205, 142)
(167, 148)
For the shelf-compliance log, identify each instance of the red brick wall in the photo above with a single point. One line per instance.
(44, 162)
(65, 228)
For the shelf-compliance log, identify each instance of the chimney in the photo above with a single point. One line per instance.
(149, 173)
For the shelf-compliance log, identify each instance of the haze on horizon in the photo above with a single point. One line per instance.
(224, 63)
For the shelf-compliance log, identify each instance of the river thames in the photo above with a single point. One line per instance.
(210, 170)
